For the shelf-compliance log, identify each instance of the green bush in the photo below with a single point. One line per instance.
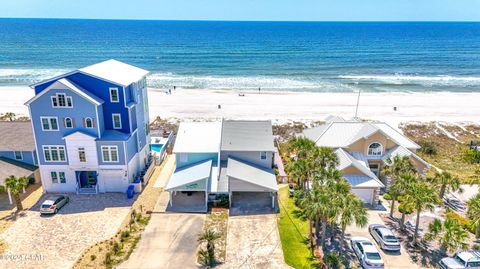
(428, 147)
(126, 234)
(472, 156)
(387, 196)
(93, 257)
(462, 220)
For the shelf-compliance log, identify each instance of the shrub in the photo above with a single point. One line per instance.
(117, 248)
(463, 221)
(108, 259)
(92, 257)
(472, 156)
(387, 196)
(125, 234)
(332, 260)
(428, 147)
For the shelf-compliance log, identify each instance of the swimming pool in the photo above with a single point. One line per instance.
(156, 147)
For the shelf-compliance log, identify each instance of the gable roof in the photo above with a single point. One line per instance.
(16, 136)
(243, 135)
(402, 152)
(64, 83)
(251, 174)
(198, 137)
(369, 179)
(11, 167)
(343, 134)
(79, 133)
(115, 71)
(111, 70)
(190, 174)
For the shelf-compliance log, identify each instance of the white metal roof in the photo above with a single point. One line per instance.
(198, 137)
(191, 174)
(251, 174)
(368, 180)
(244, 135)
(115, 71)
(342, 134)
(402, 152)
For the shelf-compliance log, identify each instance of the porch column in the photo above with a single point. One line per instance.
(171, 198)
(230, 197)
(206, 200)
(273, 199)
(9, 196)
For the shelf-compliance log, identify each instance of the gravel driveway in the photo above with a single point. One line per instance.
(253, 242)
(56, 241)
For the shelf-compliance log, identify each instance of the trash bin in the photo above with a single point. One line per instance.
(130, 191)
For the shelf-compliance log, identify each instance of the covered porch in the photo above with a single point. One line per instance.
(87, 181)
(188, 188)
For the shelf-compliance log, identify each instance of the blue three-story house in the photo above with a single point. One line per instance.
(91, 128)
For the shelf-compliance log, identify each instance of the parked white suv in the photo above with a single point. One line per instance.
(461, 260)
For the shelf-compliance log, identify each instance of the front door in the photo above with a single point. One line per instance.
(87, 179)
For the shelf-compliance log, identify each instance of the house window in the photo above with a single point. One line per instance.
(54, 153)
(117, 121)
(68, 123)
(114, 95)
(61, 100)
(263, 155)
(18, 155)
(88, 122)
(375, 168)
(81, 155)
(49, 123)
(375, 149)
(55, 176)
(110, 154)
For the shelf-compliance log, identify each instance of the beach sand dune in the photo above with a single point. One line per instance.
(291, 106)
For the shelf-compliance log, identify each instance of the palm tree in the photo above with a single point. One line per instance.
(309, 206)
(403, 182)
(9, 115)
(450, 234)
(422, 196)
(209, 236)
(473, 213)
(395, 167)
(303, 167)
(352, 210)
(405, 207)
(15, 185)
(447, 182)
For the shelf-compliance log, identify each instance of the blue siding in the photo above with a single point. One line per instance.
(121, 152)
(132, 148)
(42, 107)
(133, 116)
(195, 158)
(28, 156)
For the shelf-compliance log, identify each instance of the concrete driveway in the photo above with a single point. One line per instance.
(57, 241)
(169, 241)
(253, 242)
(392, 260)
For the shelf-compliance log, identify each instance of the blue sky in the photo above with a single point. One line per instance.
(270, 10)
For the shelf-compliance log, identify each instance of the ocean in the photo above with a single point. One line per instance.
(290, 56)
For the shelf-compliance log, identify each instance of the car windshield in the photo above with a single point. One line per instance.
(373, 256)
(390, 239)
(459, 260)
(45, 206)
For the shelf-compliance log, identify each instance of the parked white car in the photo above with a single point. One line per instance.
(384, 237)
(367, 253)
(464, 259)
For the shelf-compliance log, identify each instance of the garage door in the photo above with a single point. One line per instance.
(114, 181)
(251, 200)
(364, 194)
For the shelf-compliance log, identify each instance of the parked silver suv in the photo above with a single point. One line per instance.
(461, 260)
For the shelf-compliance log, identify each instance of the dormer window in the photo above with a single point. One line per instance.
(62, 100)
(375, 149)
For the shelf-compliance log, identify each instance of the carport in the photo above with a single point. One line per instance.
(250, 186)
(188, 188)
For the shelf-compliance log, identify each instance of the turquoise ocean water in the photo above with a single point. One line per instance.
(295, 56)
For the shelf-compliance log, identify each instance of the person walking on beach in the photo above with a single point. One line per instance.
(258, 89)
(174, 87)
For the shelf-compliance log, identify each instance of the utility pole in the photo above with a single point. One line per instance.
(358, 101)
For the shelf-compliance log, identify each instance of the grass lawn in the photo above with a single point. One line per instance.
(293, 229)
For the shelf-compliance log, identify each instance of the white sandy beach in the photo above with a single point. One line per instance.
(291, 106)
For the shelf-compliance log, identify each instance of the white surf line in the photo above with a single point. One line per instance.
(447, 133)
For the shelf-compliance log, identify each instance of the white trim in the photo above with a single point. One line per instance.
(58, 152)
(109, 147)
(15, 155)
(35, 141)
(56, 97)
(49, 124)
(110, 92)
(113, 120)
(65, 82)
(98, 123)
(65, 122)
(57, 175)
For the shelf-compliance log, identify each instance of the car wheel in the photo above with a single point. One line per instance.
(56, 210)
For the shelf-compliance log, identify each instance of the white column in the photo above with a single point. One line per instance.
(171, 198)
(9, 196)
(206, 200)
(24, 190)
(230, 197)
(273, 199)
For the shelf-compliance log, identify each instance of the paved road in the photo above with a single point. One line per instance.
(169, 242)
(253, 242)
(392, 261)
